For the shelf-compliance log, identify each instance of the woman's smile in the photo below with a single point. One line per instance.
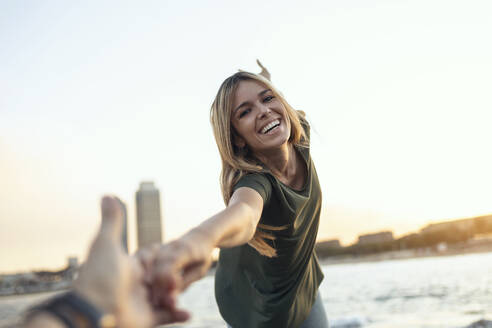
(271, 127)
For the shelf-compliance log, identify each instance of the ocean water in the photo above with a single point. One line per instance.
(447, 292)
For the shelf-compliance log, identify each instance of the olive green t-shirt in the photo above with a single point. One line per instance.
(254, 291)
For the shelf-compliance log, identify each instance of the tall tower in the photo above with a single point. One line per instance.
(149, 228)
(124, 232)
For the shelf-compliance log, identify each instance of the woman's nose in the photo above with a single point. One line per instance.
(264, 110)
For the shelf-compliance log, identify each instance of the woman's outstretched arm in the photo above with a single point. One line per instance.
(179, 263)
(236, 224)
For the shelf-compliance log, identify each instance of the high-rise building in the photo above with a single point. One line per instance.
(124, 230)
(149, 228)
(378, 237)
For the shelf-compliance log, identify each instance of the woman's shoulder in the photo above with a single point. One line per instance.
(258, 181)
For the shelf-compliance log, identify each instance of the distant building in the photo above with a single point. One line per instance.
(71, 272)
(333, 243)
(39, 281)
(328, 248)
(373, 238)
(73, 262)
(124, 232)
(484, 224)
(149, 228)
(464, 225)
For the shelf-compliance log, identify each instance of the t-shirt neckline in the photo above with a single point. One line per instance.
(308, 175)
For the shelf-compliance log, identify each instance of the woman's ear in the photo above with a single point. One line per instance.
(237, 140)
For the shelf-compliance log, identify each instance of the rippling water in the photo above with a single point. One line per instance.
(426, 292)
(433, 292)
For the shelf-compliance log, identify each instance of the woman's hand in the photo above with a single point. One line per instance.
(264, 72)
(179, 263)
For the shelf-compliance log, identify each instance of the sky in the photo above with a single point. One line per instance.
(98, 96)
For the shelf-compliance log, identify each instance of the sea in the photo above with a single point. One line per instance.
(431, 292)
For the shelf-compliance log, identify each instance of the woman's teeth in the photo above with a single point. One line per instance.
(270, 126)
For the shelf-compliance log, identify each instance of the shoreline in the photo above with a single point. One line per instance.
(403, 255)
(465, 249)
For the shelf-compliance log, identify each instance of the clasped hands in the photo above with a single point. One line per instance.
(140, 290)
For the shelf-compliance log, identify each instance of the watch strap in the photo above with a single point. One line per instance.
(75, 311)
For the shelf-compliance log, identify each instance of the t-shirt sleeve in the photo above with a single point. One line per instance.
(258, 182)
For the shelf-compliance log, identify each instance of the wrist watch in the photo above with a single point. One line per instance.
(74, 311)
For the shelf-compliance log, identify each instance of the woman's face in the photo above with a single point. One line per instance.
(259, 117)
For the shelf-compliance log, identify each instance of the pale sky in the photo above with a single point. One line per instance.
(97, 96)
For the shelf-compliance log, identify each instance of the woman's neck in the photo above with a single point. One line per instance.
(286, 164)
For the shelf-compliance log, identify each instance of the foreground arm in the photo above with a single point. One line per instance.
(110, 281)
(187, 259)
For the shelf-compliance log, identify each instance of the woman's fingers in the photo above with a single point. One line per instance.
(180, 263)
(264, 72)
(194, 272)
(165, 317)
(166, 277)
(146, 257)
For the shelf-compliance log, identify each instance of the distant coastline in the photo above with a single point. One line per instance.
(39, 281)
(30, 283)
(471, 247)
(452, 250)
(457, 237)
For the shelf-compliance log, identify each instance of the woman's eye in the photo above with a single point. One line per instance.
(268, 98)
(244, 112)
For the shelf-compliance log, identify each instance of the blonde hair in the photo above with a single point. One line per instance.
(236, 161)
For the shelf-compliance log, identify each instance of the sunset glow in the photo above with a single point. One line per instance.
(97, 99)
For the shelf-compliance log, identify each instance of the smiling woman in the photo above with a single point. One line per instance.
(238, 127)
(258, 117)
(257, 137)
(268, 273)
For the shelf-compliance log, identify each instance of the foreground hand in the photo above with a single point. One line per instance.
(179, 263)
(115, 282)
